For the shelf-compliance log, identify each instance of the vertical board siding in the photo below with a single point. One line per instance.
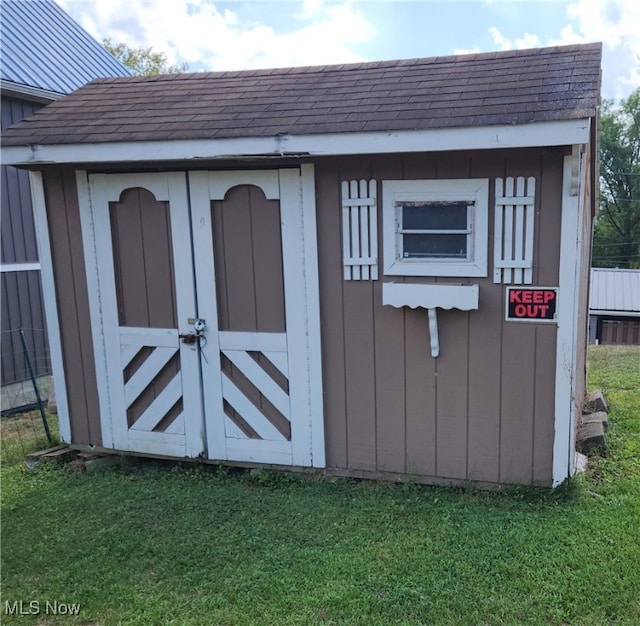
(485, 387)
(481, 411)
(543, 429)
(248, 246)
(452, 376)
(331, 307)
(360, 376)
(143, 260)
(421, 395)
(21, 300)
(73, 304)
(17, 226)
(23, 307)
(518, 379)
(389, 350)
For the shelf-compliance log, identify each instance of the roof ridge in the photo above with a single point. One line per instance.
(357, 66)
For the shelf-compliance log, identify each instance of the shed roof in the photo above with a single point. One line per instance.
(43, 47)
(615, 290)
(498, 88)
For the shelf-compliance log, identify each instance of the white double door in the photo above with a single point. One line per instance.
(203, 293)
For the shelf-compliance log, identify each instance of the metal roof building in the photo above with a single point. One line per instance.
(45, 53)
(615, 292)
(614, 306)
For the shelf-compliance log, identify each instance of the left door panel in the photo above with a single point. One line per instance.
(143, 297)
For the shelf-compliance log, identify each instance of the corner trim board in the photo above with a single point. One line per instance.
(565, 403)
(50, 302)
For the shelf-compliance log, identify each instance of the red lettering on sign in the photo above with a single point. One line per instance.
(531, 310)
(532, 304)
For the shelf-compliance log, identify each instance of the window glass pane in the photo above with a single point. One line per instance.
(426, 246)
(434, 215)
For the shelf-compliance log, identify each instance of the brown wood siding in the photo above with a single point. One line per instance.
(21, 300)
(73, 304)
(619, 332)
(483, 410)
(248, 261)
(143, 260)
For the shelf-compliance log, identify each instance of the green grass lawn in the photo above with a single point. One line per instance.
(159, 543)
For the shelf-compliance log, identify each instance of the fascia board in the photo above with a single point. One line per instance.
(614, 313)
(37, 94)
(435, 140)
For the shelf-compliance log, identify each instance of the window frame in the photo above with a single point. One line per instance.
(472, 191)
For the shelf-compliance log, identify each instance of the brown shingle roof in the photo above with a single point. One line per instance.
(497, 88)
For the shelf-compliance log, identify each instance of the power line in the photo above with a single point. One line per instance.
(609, 258)
(604, 244)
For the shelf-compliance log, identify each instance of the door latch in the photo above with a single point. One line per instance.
(199, 326)
(188, 338)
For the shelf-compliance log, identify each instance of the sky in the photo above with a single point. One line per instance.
(209, 35)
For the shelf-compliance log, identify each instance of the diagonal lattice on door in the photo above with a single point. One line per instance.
(255, 387)
(152, 381)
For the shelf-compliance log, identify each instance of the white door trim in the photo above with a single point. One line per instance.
(312, 292)
(203, 249)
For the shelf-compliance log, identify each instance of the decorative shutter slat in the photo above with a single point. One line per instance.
(528, 245)
(513, 234)
(346, 230)
(518, 239)
(508, 231)
(359, 230)
(498, 247)
(373, 229)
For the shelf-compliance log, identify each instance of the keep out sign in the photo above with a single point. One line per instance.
(532, 304)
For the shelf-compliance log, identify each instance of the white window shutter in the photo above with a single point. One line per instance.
(360, 230)
(513, 234)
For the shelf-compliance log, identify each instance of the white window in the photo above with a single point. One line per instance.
(435, 227)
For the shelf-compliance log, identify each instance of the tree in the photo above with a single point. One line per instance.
(616, 241)
(142, 61)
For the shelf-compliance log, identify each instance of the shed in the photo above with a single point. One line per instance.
(376, 269)
(45, 55)
(614, 306)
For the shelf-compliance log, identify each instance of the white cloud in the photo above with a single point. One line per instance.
(615, 23)
(198, 33)
(526, 41)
